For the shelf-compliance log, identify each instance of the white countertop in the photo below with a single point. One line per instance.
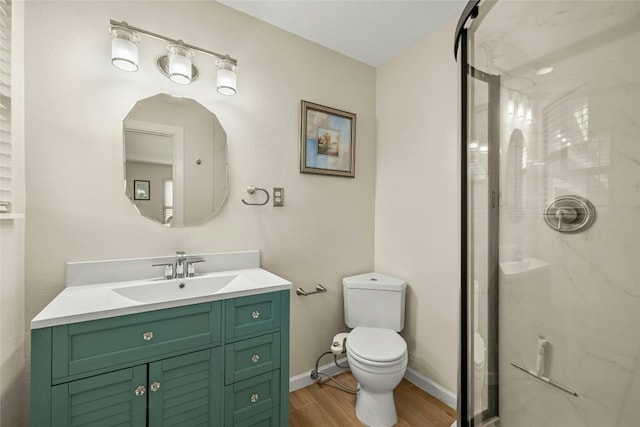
(98, 301)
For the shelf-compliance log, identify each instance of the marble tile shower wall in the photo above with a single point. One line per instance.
(581, 291)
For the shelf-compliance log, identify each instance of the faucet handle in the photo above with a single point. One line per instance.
(191, 268)
(168, 270)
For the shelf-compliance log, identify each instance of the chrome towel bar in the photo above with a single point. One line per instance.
(545, 379)
(319, 289)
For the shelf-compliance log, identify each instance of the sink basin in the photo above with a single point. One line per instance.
(176, 289)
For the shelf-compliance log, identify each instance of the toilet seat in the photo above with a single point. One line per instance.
(376, 346)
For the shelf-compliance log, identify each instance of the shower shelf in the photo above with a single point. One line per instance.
(545, 379)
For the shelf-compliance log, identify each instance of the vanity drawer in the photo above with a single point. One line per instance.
(250, 357)
(248, 398)
(105, 343)
(265, 419)
(252, 315)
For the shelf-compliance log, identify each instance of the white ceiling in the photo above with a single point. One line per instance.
(369, 31)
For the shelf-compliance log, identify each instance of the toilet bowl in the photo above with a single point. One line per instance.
(378, 361)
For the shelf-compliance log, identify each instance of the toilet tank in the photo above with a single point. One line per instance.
(374, 300)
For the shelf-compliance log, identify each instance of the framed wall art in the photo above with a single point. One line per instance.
(327, 141)
(141, 190)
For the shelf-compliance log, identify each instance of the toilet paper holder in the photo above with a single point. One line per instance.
(319, 289)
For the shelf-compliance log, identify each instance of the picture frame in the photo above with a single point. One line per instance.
(141, 190)
(327, 141)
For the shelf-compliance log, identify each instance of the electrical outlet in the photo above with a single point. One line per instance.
(278, 197)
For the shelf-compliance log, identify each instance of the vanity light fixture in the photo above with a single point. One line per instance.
(543, 70)
(520, 108)
(177, 65)
(180, 67)
(226, 77)
(510, 105)
(124, 49)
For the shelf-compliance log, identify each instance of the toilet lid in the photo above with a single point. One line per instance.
(376, 344)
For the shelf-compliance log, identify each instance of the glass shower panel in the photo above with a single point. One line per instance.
(567, 297)
(478, 182)
(482, 191)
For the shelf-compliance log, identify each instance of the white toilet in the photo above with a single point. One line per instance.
(377, 354)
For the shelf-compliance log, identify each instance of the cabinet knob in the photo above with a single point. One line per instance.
(255, 314)
(147, 336)
(155, 386)
(255, 358)
(254, 397)
(139, 391)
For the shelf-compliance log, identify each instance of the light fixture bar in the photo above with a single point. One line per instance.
(225, 57)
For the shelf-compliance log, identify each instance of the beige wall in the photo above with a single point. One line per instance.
(417, 197)
(76, 101)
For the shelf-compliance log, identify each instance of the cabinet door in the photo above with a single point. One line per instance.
(117, 398)
(185, 390)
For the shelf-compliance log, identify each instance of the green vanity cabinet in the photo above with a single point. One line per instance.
(222, 363)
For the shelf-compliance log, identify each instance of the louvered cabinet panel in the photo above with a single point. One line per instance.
(185, 391)
(114, 399)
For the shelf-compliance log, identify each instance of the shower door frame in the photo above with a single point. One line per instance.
(466, 418)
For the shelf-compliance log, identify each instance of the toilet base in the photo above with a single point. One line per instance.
(376, 409)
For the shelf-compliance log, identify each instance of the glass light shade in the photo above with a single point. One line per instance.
(544, 70)
(510, 106)
(124, 49)
(180, 64)
(226, 78)
(520, 109)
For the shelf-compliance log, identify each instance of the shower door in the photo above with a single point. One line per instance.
(550, 295)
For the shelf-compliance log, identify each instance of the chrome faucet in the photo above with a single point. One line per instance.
(181, 257)
(181, 269)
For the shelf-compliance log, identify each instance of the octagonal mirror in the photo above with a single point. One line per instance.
(175, 160)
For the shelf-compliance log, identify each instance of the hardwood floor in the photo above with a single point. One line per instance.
(325, 405)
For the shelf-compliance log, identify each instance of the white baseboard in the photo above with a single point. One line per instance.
(433, 388)
(447, 397)
(303, 380)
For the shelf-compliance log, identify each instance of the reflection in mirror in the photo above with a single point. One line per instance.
(515, 179)
(180, 148)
